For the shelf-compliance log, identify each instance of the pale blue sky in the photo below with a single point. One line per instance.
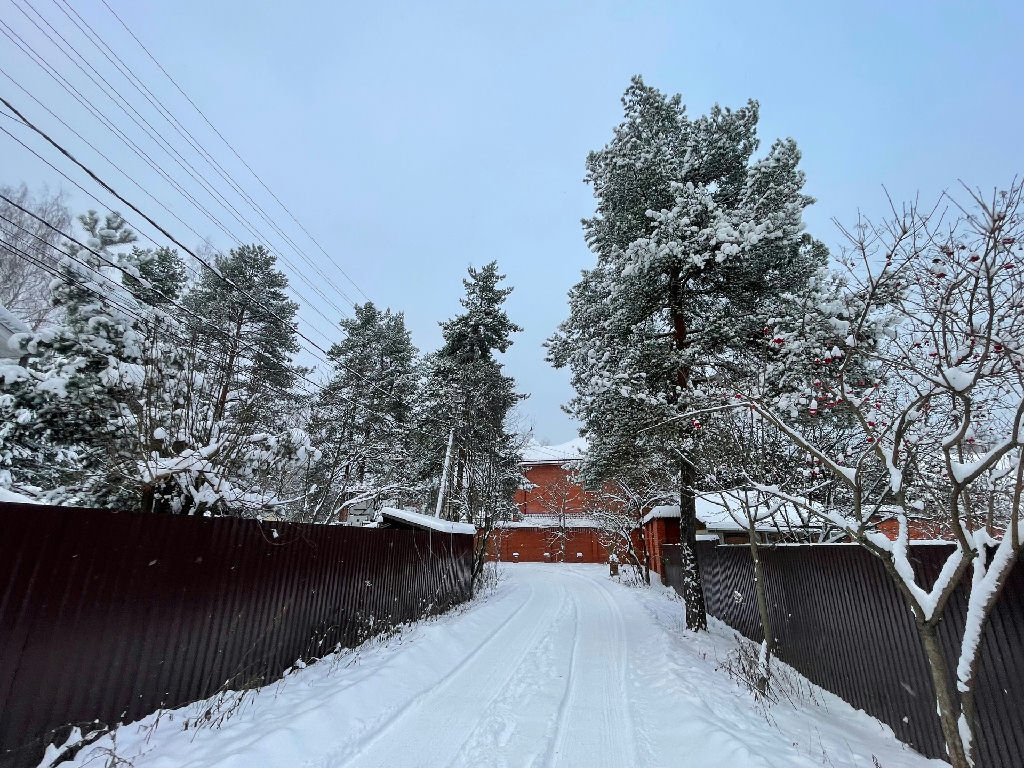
(414, 139)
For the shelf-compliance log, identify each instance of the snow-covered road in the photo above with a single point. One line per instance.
(556, 666)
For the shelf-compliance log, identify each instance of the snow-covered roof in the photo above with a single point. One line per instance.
(716, 516)
(535, 453)
(549, 521)
(660, 511)
(430, 522)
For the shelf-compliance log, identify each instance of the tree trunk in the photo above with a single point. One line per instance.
(444, 474)
(222, 400)
(646, 556)
(944, 696)
(764, 660)
(693, 588)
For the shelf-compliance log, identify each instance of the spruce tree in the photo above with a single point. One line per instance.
(471, 455)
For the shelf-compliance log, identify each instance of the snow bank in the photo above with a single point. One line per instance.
(427, 521)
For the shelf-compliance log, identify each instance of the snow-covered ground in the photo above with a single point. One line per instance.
(557, 665)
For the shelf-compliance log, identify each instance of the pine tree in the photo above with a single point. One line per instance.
(244, 404)
(693, 244)
(465, 405)
(362, 418)
(249, 329)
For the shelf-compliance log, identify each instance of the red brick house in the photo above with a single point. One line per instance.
(552, 524)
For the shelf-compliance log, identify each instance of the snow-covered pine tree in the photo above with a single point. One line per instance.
(249, 326)
(692, 241)
(245, 404)
(464, 410)
(361, 420)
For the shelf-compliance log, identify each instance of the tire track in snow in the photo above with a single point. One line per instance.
(513, 728)
(594, 726)
(557, 740)
(343, 752)
(436, 747)
(623, 700)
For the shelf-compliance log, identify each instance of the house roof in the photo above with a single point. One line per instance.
(535, 453)
(427, 522)
(717, 516)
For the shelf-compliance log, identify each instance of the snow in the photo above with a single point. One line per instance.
(958, 378)
(550, 521)
(427, 521)
(11, 497)
(12, 329)
(661, 512)
(716, 516)
(535, 453)
(558, 665)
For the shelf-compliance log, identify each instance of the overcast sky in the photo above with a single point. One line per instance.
(415, 139)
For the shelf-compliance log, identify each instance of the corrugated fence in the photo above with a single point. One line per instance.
(107, 616)
(840, 622)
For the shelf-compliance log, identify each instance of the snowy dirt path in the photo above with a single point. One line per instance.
(558, 667)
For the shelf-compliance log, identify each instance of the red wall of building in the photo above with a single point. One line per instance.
(662, 530)
(555, 488)
(532, 544)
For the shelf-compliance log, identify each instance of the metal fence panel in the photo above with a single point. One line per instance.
(107, 616)
(840, 621)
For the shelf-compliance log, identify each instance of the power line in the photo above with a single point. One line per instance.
(104, 48)
(204, 263)
(101, 154)
(145, 216)
(233, 150)
(123, 137)
(147, 128)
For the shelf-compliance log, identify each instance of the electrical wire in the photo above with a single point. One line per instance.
(104, 48)
(231, 147)
(154, 135)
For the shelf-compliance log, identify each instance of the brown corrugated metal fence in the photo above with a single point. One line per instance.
(840, 622)
(107, 616)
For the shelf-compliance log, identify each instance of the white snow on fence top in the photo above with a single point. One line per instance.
(427, 521)
(535, 453)
(12, 497)
(717, 517)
